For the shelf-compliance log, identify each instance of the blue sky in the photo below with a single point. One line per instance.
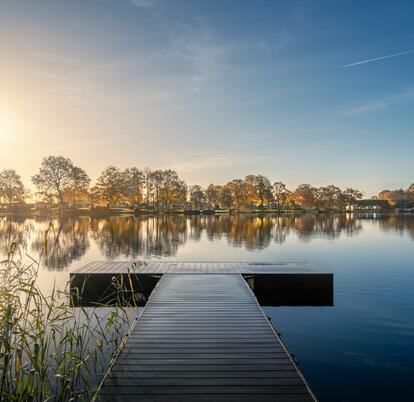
(213, 89)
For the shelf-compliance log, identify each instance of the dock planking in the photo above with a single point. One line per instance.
(202, 337)
(176, 267)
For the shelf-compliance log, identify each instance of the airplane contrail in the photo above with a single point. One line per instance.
(378, 58)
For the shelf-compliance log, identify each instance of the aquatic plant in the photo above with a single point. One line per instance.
(50, 350)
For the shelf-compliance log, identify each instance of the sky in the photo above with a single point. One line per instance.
(318, 92)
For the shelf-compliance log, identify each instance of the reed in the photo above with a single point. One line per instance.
(50, 350)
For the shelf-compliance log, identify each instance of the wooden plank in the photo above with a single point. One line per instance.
(203, 334)
(142, 389)
(191, 381)
(161, 267)
(239, 375)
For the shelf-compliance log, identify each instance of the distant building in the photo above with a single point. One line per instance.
(42, 205)
(368, 205)
(15, 207)
(79, 201)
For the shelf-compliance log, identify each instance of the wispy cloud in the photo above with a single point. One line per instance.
(208, 57)
(142, 3)
(326, 146)
(201, 51)
(388, 56)
(382, 103)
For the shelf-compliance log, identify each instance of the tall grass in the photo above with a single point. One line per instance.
(49, 350)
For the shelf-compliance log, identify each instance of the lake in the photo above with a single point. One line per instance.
(360, 349)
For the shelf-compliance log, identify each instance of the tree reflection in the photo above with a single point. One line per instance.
(130, 236)
(11, 228)
(64, 240)
(398, 224)
(61, 241)
(330, 226)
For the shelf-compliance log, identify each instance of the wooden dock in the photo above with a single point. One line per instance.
(202, 337)
(274, 283)
(195, 267)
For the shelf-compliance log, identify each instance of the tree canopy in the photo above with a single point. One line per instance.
(58, 175)
(59, 179)
(11, 186)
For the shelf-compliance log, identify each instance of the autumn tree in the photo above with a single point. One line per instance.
(225, 198)
(11, 186)
(394, 197)
(197, 196)
(351, 195)
(57, 176)
(259, 189)
(238, 191)
(410, 192)
(399, 198)
(171, 190)
(111, 186)
(328, 197)
(305, 195)
(280, 194)
(147, 184)
(155, 179)
(212, 194)
(134, 185)
(80, 184)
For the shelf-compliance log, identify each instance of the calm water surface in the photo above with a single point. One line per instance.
(361, 349)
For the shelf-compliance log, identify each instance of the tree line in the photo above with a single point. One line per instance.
(401, 198)
(60, 180)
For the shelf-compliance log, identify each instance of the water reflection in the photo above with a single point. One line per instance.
(61, 241)
(67, 240)
(131, 236)
(10, 231)
(398, 224)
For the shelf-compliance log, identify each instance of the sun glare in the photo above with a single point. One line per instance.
(5, 127)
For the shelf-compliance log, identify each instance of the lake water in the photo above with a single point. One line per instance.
(360, 349)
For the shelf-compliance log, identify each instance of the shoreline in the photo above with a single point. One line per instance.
(124, 212)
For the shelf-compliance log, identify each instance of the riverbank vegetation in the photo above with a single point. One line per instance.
(60, 183)
(50, 350)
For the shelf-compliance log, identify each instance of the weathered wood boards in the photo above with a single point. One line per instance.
(203, 338)
(176, 267)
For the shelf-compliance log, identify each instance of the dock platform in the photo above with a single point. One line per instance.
(194, 267)
(273, 283)
(203, 338)
(202, 335)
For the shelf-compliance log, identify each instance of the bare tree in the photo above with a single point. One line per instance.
(11, 186)
(58, 175)
(197, 196)
(351, 195)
